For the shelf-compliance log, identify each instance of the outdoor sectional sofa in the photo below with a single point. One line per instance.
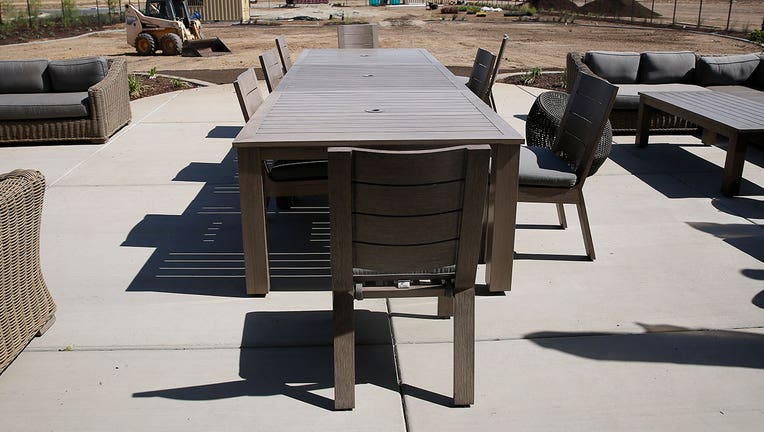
(83, 99)
(631, 72)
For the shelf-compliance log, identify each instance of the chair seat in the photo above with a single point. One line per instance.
(293, 170)
(539, 166)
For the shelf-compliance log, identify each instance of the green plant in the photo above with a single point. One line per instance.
(153, 73)
(564, 79)
(135, 84)
(529, 77)
(449, 10)
(756, 36)
(178, 83)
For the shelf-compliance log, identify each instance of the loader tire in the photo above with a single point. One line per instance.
(171, 44)
(145, 44)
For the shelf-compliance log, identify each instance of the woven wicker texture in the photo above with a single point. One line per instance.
(109, 111)
(544, 118)
(25, 303)
(624, 122)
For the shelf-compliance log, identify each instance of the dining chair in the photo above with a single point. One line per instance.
(480, 76)
(357, 36)
(489, 93)
(405, 224)
(283, 49)
(557, 174)
(285, 178)
(272, 70)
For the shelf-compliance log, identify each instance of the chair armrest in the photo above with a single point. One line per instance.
(110, 99)
(574, 65)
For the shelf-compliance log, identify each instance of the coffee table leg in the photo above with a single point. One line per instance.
(643, 124)
(733, 165)
(253, 228)
(502, 211)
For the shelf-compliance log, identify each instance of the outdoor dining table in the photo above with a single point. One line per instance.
(376, 98)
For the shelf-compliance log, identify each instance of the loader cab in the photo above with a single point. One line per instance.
(168, 9)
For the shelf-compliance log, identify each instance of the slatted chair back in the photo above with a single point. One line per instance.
(269, 61)
(248, 93)
(283, 49)
(584, 120)
(489, 93)
(480, 76)
(357, 36)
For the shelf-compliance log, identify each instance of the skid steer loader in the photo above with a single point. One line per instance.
(166, 26)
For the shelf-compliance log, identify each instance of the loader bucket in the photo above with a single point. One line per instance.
(204, 48)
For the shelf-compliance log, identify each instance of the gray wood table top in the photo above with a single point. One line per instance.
(743, 114)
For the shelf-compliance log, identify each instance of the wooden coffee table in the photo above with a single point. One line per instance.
(737, 118)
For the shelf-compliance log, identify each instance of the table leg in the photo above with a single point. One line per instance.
(502, 211)
(253, 228)
(733, 165)
(643, 124)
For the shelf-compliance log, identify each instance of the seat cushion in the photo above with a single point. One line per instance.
(23, 76)
(666, 67)
(539, 166)
(35, 106)
(293, 170)
(77, 75)
(726, 70)
(616, 67)
(757, 78)
(628, 94)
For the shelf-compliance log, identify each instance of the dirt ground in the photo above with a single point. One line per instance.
(453, 42)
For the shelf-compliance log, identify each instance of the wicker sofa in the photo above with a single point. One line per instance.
(742, 75)
(84, 99)
(26, 307)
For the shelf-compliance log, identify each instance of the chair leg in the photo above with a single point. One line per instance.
(445, 306)
(41, 331)
(464, 346)
(587, 232)
(344, 351)
(561, 216)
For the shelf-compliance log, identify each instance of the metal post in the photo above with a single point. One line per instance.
(652, 11)
(729, 14)
(63, 15)
(700, 10)
(29, 14)
(98, 13)
(673, 18)
(632, 10)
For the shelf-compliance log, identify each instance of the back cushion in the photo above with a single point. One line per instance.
(757, 79)
(22, 76)
(616, 67)
(666, 67)
(76, 75)
(726, 70)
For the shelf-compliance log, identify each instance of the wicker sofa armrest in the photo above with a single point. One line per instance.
(110, 99)
(574, 65)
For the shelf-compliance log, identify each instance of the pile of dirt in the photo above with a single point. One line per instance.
(617, 8)
(555, 5)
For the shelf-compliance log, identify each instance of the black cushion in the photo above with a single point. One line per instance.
(666, 67)
(77, 75)
(616, 67)
(539, 166)
(22, 76)
(726, 70)
(33, 106)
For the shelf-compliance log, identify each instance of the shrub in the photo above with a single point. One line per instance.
(449, 10)
(756, 36)
(135, 84)
(529, 77)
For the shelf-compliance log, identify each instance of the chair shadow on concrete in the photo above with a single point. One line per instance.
(200, 250)
(290, 354)
(661, 344)
(224, 132)
(663, 165)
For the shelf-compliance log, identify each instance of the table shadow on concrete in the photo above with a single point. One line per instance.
(290, 354)
(200, 250)
(661, 344)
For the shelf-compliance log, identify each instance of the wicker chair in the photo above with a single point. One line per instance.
(26, 307)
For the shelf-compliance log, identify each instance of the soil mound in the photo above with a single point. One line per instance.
(552, 5)
(618, 8)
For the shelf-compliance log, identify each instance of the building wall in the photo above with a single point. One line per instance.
(221, 10)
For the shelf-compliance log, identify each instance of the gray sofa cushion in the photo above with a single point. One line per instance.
(539, 166)
(666, 67)
(34, 106)
(616, 67)
(77, 75)
(628, 94)
(757, 78)
(726, 70)
(23, 76)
